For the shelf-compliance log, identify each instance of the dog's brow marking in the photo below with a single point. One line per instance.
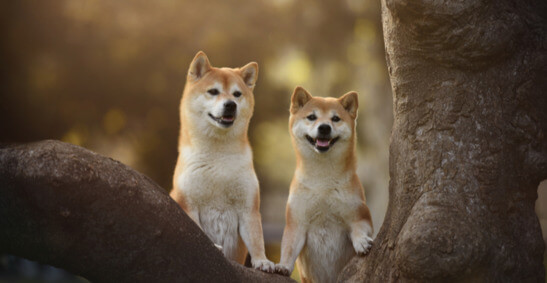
(225, 80)
(234, 87)
(218, 86)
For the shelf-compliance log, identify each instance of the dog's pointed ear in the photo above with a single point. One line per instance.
(249, 74)
(299, 98)
(350, 102)
(199, 66)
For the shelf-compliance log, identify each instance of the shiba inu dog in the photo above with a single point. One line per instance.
(327, 220)
(214, 181)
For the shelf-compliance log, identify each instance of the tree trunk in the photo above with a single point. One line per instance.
(468, 147)
(69, 207)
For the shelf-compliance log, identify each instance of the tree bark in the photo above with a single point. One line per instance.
(69, 207)
(468, 147)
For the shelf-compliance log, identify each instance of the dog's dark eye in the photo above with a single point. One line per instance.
(237, 93)
(335, 118)
(213, 91)
(311, 117)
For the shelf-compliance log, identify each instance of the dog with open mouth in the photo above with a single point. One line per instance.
(327, 220)
(214, 181)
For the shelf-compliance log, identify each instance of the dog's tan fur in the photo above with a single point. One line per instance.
(327, 220)
(214, 181)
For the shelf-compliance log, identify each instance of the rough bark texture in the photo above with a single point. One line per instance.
(468, 147)
(69, 207)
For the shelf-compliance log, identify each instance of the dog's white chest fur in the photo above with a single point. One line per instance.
(321, 200)
(219, 180)
(219, 186)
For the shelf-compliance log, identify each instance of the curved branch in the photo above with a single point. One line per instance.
(66, 206)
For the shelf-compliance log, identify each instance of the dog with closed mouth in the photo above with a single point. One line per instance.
(327, 220)
(214, 181)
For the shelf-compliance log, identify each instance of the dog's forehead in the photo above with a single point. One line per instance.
(325, 105)
(228, 78)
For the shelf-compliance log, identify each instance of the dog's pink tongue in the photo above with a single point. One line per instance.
(228, 118)
(322, 143)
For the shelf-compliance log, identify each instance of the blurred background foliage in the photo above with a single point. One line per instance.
(108, 76)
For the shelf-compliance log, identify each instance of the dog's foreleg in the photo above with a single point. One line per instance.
(294, 238)
(250, 229)
(361, 233)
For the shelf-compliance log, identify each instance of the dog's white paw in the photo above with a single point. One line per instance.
(362, 245)
(263, 265)
(283, 269)
(219, 247)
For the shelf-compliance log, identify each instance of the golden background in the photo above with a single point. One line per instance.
(108, 76)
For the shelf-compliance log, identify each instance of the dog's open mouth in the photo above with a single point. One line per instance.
(322, 144)
(224, 120)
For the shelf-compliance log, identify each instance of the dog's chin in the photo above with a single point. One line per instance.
(322, 144)
(224, 121)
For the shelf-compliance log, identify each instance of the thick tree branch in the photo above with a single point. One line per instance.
(67, 206)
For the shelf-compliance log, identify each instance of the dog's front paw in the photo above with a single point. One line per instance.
(263, 265)
(362, 245)
(283, 269)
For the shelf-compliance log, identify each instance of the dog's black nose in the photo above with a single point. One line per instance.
(230, 106)
(324, 129)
